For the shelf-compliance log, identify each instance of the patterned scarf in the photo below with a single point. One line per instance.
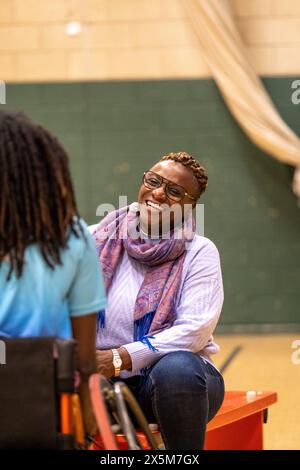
(155, 303)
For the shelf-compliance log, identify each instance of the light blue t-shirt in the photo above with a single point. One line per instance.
(42, 300)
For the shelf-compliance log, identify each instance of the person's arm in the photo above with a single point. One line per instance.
(84, 332)
(198, 312)
(191, 331)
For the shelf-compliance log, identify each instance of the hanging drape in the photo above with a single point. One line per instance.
(240, 86)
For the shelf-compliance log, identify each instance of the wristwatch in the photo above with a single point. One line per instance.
(117, 362)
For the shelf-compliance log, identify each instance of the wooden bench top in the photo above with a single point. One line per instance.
(237, 405)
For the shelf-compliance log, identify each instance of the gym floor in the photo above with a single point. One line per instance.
(265, 363)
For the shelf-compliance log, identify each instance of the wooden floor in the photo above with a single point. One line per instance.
(265, 363)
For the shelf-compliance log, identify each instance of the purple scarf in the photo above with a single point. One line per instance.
(155, 303)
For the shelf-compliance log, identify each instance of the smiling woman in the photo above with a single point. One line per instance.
(165, 297)
(169, 191)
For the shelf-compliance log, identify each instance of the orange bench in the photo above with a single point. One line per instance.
(239, 423)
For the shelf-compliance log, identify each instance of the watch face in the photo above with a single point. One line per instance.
(117, 362)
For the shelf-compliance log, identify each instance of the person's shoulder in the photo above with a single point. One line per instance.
(203, 257)
(92, 228)
(80, 229)
(80, 236)
(202, 245)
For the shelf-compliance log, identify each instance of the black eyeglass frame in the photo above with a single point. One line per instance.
(168, 182)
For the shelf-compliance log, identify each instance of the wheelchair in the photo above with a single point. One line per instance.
(116, 409)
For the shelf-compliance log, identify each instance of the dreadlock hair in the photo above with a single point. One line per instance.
(37, 203)
(190, 162)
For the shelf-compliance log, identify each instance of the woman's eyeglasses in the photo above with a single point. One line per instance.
(175, 192)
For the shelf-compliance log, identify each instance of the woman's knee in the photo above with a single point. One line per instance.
(180, 369)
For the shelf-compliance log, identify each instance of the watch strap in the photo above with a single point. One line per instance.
(117, 362)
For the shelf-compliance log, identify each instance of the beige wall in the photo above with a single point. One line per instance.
(135, 39)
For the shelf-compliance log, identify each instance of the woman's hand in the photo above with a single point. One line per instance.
(104, 360)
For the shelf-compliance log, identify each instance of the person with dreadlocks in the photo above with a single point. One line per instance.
(165, 295)
(50, 281)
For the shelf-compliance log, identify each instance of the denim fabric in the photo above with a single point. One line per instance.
(181, 393)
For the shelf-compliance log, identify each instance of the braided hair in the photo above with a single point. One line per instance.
(190, 162)
(37, 203)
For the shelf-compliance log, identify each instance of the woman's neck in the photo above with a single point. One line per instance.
(154, 232)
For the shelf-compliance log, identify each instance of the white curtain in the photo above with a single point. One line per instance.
(239, 84)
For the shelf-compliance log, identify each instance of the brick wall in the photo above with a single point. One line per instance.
(135, 39)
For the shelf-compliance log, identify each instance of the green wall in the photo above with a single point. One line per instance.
(113, 131)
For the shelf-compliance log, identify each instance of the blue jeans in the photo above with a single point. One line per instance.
(181, 393)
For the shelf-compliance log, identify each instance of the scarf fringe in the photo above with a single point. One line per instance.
(146, 340)
(101, 320)
(142, 326)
